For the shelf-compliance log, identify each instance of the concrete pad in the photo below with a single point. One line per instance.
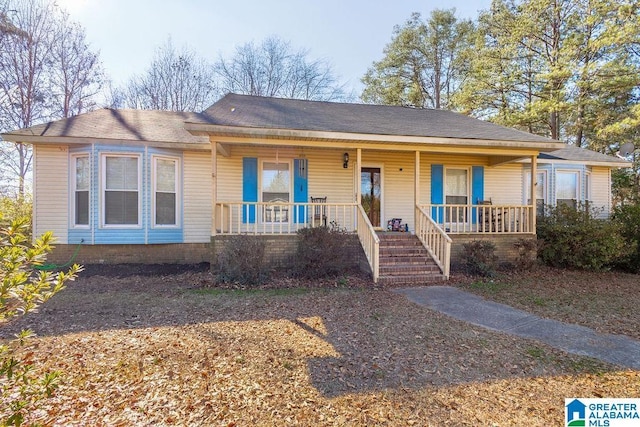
(454, 302)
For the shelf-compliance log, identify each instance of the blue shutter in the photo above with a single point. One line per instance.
(249, 188)
(300, 189)
(477, 188)
(437, 192)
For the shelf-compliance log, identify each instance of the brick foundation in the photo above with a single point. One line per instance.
(175, 253)
(505, 250)
(282, 248)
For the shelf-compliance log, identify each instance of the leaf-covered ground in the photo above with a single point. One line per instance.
(147, 350)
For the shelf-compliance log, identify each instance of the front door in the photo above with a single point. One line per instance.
(371, 193)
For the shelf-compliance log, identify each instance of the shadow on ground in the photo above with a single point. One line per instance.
(382, 340)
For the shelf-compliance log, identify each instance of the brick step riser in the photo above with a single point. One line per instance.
(409, 281)
(404, 271)
(404, 251)
(406, 260)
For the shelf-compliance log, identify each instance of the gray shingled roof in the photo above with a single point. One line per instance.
(576, 154)
(279, 113)
(127, 125)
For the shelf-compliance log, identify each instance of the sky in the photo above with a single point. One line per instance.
(348, 34)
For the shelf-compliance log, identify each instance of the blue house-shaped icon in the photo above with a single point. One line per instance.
(575, 407)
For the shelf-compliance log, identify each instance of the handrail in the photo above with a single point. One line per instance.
(434, 239)
(370, 242)
(486, 219)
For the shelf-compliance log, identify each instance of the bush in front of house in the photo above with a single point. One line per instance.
(23, 287)
(527, 254)
(322, 252)
(242, 261)
(628, 219)
(479, 258)
(577, 238)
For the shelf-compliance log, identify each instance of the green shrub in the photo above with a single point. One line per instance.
(242, 261)
(322, 252)
(23, 288)
(479, 257)
(577, 238)
(627, 217)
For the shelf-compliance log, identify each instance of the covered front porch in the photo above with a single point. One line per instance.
(285, 189)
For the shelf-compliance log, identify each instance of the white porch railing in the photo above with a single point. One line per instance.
(281, 218)
(459, 219)
(370, 242)
(434, 239)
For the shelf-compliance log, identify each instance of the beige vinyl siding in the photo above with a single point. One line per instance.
(504, 185)
(51, 191)
(326, 176)
(601, 189)
(197, 197)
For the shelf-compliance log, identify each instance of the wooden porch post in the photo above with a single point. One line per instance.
(416, 195)
(358, 176)
(534, 177)
(214, 184)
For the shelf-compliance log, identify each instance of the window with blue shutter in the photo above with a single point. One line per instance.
(437, 192)
(249, 188)
(477, 188)
(300, 189)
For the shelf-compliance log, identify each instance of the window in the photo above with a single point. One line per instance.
(165, 191)
(567, 188)
(81, 183)
(541, 191)
(121, 180)
(276, 188)
(456, 192)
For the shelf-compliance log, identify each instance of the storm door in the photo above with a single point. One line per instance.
(371, 193)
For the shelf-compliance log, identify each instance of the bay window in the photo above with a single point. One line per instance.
(165, 192)
(81, 183)
(121, 190)
(567, 185)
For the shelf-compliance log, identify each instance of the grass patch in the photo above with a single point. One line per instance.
(489, 286)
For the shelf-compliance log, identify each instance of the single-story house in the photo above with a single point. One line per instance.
(411, 184)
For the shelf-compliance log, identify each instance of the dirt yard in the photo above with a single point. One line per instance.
(142, 347)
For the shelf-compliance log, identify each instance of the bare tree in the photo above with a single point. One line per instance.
(177, 80)
(78, 75)
(273, 68)
(46, 72)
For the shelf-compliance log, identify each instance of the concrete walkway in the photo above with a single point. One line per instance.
(617, 349)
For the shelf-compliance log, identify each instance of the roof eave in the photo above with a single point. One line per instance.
(275, 133)
(68, 140)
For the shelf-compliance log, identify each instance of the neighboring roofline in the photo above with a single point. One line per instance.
(277, 133)
(74, 140)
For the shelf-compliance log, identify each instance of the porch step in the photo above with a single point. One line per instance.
(404, 261)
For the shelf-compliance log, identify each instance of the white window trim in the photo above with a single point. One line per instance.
(72, 196)
(527, 190)
(588, 186)
(578, 184)
(154, 159)
(444, 182)
(291, 177)
(103, 185)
